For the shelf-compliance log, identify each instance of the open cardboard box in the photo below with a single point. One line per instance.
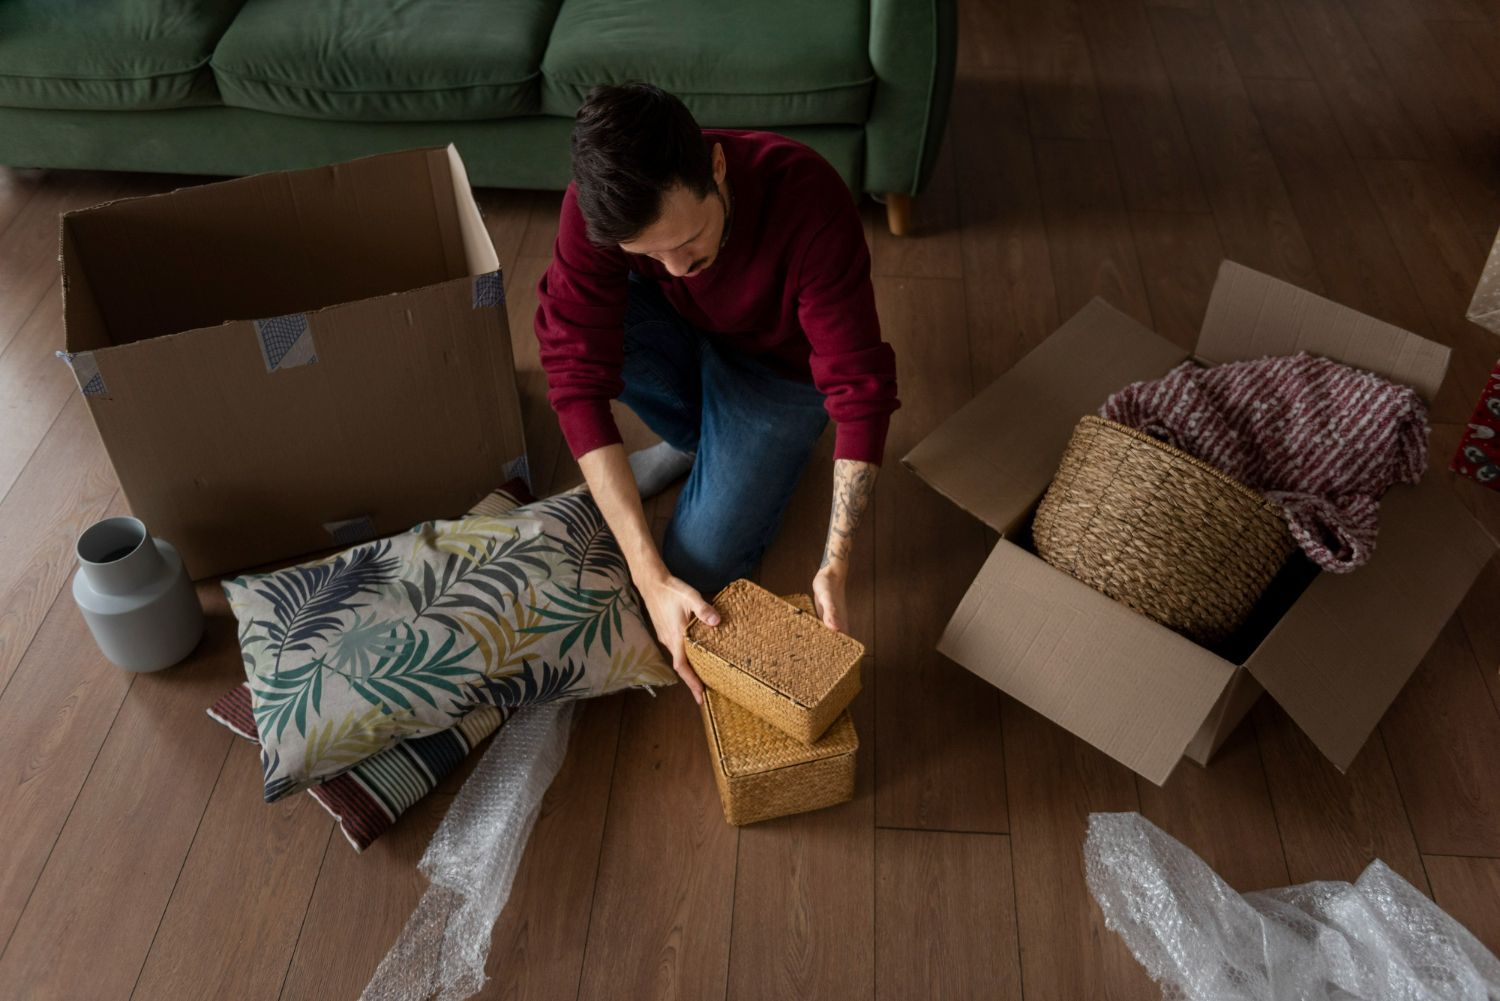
(1136, 690)
(281, 363)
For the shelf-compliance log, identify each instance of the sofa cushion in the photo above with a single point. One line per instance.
(108, 55)
(386, 60)
(765, 64)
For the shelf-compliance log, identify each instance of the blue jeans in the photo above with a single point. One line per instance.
(752, 430)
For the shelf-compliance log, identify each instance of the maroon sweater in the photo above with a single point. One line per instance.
(791, 286)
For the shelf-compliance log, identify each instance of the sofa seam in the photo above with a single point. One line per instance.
(245, 78)
(867, 81)
(110, 79)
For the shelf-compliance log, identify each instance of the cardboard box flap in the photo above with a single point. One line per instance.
(1338, 658)
(1484, 308)
(1135, 690)
(1251, 315)
(276, 244)
(995, 457)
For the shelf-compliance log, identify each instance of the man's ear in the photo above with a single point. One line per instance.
(721, 165)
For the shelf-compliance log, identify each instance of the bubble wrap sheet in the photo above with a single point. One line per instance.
(471, 862)
(1378, 938)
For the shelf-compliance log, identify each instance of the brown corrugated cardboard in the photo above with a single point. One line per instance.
(284, 362)
(1484, 309)
(1138, 691)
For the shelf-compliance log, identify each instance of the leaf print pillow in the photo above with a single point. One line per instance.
(401, 637)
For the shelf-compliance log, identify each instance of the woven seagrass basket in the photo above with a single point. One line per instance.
(1159, 530)
(776, 660)
(762, 773)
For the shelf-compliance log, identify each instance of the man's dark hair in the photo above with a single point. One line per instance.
(632, 143)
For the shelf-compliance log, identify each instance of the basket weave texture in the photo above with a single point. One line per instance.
(762, 773)
(776, 660)
(1159, 530)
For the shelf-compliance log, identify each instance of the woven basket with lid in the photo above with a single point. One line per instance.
(762, 773)
(776, 660)
(1159, 530)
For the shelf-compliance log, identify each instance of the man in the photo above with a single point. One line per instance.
(718, 284)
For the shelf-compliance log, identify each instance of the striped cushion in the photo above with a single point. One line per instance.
(367, 799)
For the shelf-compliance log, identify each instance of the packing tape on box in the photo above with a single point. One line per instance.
(518, 469)
(285, 342)
(350, 530)
(489, 290)
(86, 371)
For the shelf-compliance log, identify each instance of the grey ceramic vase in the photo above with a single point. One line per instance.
(136, 596)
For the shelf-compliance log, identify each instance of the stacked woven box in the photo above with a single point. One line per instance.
(776, 711)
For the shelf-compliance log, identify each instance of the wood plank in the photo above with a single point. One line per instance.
(17, 188)
(541, 224)
(1055, 781)
(124, 843)
(1256, 223)
(1441, 733)
(1260, 39)
(1444, 261)
(938, 758)
(804, 900)
(1469, 890)
(1179, 255)
(506, 215)
(234, 916)
(1010, 300)
(34, 387)
(53, 719)
(1448, 94)
(1156, 167)
(543, 434)
(1364, 103)
(1223, 812)
(1062, 98)
(29, 245)
(947, 917)
(538, 947)
(1482, 625)
(66, 487)
(932, 248)
(1088, 231)
(1452, 10)
(804, 894)
(1332, 825)
(362, 901)
(659, 926)
(1359, 264)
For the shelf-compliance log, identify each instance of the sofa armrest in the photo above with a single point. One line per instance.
(913, 47)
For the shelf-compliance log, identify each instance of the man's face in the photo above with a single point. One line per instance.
(685, 238)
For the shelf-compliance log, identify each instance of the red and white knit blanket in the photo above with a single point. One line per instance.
(1319, 438)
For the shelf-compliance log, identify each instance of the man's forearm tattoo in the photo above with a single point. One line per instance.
(853, 482)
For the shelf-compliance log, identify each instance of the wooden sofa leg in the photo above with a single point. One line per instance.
(898, 213)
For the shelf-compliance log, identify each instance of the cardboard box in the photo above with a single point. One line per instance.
(281, 363)
(1139, 692)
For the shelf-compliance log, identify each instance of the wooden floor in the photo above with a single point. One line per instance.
(1097, 147)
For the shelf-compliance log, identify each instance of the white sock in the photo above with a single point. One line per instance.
(658, 467)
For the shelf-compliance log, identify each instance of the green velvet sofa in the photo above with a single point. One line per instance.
(242, 86)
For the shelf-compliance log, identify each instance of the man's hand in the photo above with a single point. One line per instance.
(828, 599)
(853, 482)
(672, 605)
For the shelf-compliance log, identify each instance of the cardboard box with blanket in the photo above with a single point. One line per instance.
(1334, 657)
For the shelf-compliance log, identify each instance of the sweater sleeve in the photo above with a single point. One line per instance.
(580, 332)
(851, 365)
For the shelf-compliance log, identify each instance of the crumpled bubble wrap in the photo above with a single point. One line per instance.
(1378, 938)
(471, 862)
